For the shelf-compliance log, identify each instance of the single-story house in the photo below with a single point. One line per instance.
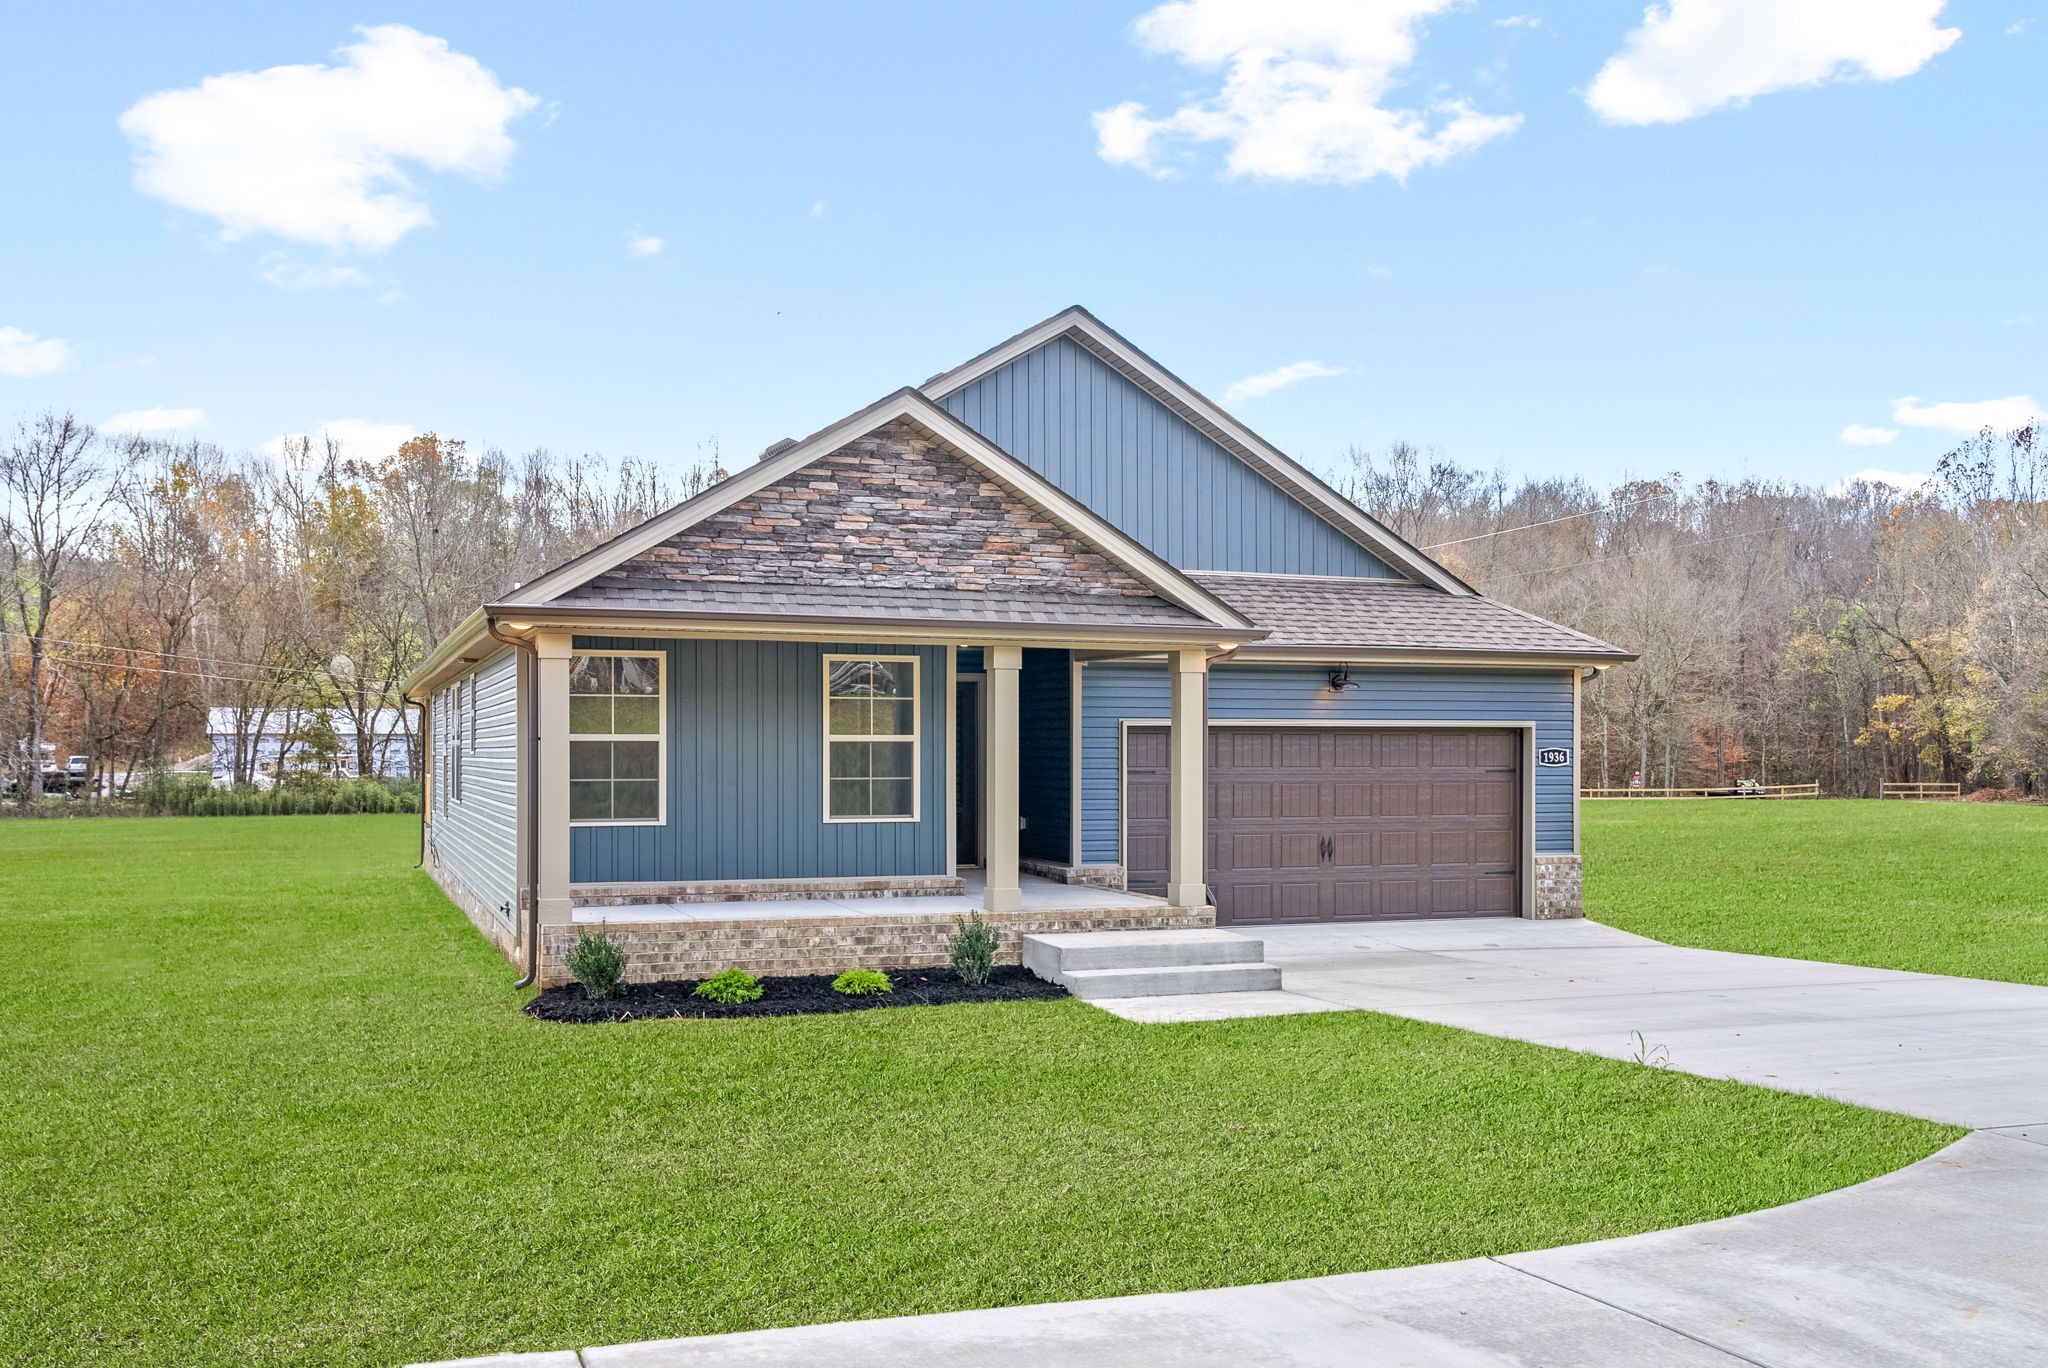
(262, 742)
(1051, 634)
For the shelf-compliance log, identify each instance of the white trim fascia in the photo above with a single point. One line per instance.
(1169, 583)
(1214, 422)
(1249, 654)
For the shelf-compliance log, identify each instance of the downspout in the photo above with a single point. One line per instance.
(414, 703)
(529, 794)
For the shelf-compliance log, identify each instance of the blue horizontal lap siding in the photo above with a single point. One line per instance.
(1060, 410)
(746, 795)
(1113, 691)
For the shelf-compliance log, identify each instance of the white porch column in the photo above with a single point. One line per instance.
(1187, 880)
(551, 878)
(1003, 665)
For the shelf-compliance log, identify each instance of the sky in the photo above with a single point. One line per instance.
(1777, 238)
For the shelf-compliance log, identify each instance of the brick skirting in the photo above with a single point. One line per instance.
(1557, 888)
(1089, 876)
(827, 945)
(763, 890)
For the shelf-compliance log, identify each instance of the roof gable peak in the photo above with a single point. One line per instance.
(1212, 421)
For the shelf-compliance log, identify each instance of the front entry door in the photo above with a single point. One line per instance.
(967, 772)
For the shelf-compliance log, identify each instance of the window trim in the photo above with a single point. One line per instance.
(660, 739)
(916, 737)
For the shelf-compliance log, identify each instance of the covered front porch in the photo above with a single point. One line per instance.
(785, 838)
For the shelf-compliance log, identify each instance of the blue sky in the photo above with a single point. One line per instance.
(1746, 237)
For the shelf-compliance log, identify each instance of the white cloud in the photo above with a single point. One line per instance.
(2018, 28)
(155, 420)
(318, 153)
(1903, 481)
(818, 209)
(2005, 414)
(24, 356)
(1691, 56)
(286, 274)
(360, 440)
(1858, 435)
(1524, 21)
(1260, 385)
(643, 245)
(1303, 94)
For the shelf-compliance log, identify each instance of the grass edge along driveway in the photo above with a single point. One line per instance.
(271, 1100)
(1937, 888)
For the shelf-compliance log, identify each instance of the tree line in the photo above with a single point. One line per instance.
(1788, 633)
(143, 581)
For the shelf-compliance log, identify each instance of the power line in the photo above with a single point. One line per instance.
(148, 650)
(1552, 522)
(1631, 555)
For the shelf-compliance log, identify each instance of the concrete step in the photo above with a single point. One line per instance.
(1166, 980)
(1049, 955)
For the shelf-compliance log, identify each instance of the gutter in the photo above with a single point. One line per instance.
(529, 798)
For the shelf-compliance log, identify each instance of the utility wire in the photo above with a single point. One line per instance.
(1552, 522)
(1631, 555)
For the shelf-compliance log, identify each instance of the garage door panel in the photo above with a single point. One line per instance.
(1247, 800)
(1398, 849)
(1301, 750)
(1350, 798)
(1416, 822)
(1298, 800)
(1400, 797)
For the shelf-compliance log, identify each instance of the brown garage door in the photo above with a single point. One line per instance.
(1343, 824)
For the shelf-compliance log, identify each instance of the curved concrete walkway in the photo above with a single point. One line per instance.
(1943, 1262)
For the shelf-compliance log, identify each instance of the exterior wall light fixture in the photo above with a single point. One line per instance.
(1340, 680)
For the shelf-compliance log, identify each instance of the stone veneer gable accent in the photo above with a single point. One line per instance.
(1557, 888)
(896, 508)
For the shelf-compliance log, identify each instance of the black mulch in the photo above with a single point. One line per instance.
(796, 995)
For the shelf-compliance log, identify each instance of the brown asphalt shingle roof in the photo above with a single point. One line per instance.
(1306, 612)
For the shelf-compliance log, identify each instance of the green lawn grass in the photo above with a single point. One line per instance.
(269, 1099)
(1943, 888)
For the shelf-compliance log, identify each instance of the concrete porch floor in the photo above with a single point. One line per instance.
(1040, 895)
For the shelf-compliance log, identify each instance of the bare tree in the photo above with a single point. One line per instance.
(54, 489)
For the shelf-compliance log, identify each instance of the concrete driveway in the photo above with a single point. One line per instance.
(1964, 1051)
(1940, 1263)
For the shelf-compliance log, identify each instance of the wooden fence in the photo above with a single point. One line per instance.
(1726, 791)
(1948, 793)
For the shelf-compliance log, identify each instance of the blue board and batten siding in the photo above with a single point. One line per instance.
(1088, 429)
(1113, 691)
(746, 746)
(475, 822)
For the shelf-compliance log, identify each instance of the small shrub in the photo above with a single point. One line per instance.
(859, 982)
(973, 952)
(730, 986)
(598, 964)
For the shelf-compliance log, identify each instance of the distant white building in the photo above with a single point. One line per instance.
(272, 742)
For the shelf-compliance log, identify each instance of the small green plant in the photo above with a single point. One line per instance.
(597, 963)
(973, 953)
(859, 982)
(729, 986)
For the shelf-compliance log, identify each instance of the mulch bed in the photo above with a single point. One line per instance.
(795, 995)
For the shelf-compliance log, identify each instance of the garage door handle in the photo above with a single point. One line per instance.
(1329, 849)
